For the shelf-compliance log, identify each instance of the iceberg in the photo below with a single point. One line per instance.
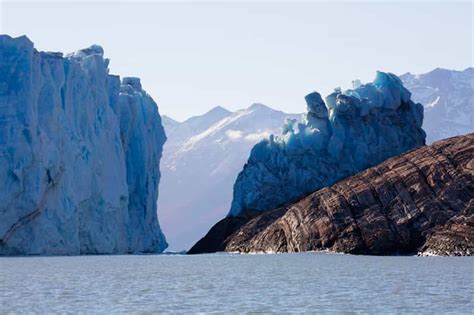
(79, 155)
(348, 132)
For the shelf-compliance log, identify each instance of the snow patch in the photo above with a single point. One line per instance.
(234, 134)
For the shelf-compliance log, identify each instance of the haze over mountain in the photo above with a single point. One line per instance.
(204, 154)
(202, 157)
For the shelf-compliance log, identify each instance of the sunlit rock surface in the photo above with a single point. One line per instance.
(79, 155)
(349, 132)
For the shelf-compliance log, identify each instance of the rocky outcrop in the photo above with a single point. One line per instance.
(421, 201)
(218, 236)
(79, 155)
(455, 238)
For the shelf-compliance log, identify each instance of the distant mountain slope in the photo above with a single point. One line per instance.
(179, 132)
(448, 99)
(201, 160)
(169, 123)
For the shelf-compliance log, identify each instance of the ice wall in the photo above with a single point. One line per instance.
(350, 132)
(79, 155)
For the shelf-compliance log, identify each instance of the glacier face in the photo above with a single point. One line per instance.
(349, 132)
(79, 155)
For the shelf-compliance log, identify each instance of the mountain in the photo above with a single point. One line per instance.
(79, 155)
(201, 159)
(418, 202)
(448, 99)
(193, 125)
(168, 123)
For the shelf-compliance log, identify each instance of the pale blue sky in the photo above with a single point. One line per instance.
(194, 56)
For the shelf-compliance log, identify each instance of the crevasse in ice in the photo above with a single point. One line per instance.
(79, 155)
(349, 132)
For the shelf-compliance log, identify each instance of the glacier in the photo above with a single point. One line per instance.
(348, 132)
(79, 155)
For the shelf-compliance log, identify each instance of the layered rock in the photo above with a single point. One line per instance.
(79, 155)
(350, 132)
(455, 238)
(422, 201)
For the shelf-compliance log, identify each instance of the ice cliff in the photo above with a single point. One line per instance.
(351, 131)
(79, 155)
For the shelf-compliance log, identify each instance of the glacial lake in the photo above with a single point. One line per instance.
(223, 283)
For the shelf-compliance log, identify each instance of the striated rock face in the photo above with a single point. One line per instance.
(350, 132)
(79, 155)
(421, 201)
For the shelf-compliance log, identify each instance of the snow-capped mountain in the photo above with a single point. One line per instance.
(448, 99)
(193, 125)
(201, 160)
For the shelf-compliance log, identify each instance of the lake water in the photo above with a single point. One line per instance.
(310, 282)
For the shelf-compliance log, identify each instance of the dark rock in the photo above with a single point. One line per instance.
(215, 239)
(456, 238)
(421, 201)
